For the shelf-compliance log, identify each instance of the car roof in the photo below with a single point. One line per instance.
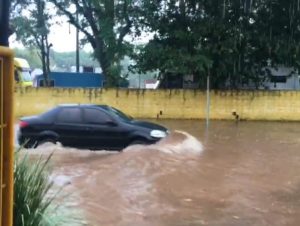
(84, 105)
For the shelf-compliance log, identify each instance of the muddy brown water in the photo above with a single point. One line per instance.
(247, 174)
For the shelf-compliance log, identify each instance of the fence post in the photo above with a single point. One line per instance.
(6, 136)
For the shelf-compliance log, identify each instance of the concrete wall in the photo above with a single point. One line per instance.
(175, 104)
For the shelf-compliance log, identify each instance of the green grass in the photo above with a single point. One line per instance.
(35, 199)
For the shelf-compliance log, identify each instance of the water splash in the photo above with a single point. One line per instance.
(178, 142)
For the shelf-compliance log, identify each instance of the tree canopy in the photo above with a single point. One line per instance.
(105, 23)
(59, 61)
(232, 40)
(31, 23)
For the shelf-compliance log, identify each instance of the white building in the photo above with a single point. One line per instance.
(282, 78)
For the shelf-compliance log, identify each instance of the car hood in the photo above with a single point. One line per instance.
(148, 125)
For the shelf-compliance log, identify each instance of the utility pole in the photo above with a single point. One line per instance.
(77, 44)
(4, 19)
(207, 99)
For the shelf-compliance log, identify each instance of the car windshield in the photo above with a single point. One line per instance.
(120, 114)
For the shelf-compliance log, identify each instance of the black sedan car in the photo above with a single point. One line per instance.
(87, 126)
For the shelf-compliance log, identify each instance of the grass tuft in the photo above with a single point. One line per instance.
(34, 203)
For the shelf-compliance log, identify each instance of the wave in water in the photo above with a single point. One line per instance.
(178, 142)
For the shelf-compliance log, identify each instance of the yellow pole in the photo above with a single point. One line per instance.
(7, 131)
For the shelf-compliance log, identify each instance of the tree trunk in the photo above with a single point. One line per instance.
(107, 64)
(44, 61)
(111, 75)
(47, 54)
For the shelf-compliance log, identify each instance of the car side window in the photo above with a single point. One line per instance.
(69, 115)
(95, 116)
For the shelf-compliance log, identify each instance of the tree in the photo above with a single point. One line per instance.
(239, 38)
(61, 61)
(105, 23)
(31, 22)
(176, 45)
(31, 55)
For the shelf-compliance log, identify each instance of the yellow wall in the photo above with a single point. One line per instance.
(174, 104)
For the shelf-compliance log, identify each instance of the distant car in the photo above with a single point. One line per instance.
(89, 127)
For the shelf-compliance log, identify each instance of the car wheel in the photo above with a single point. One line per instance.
(46, 140)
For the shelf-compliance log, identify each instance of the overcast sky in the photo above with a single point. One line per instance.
(63, 35)
(63, 38)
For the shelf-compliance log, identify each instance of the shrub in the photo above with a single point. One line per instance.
(35, 199)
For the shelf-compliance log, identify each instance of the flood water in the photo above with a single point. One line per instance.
(248, 173)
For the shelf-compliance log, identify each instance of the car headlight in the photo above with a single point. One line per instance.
(158, 134)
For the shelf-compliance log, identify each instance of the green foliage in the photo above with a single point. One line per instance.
(105, 24)
(168, 58)
(234, 38)
(34, 205)
(31, 185)
(30, 55)
(29, 29)
(65, 60)
(60, 61)
(31, 23)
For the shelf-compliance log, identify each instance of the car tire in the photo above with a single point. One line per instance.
(46, 140)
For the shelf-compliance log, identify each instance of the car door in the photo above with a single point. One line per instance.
(104, 131)
(70, 128)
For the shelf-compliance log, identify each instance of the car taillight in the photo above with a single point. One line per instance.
(23, 124)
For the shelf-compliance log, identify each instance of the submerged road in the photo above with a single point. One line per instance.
(247, 174)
